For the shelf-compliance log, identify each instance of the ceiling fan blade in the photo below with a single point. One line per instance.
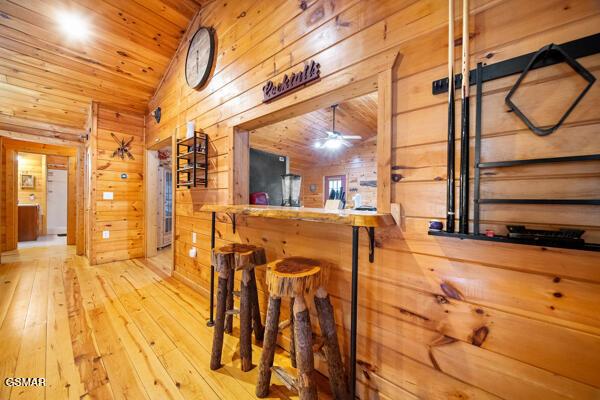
(351, 137)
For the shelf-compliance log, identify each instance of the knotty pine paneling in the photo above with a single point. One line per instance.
(123, 216)
(522, 321)
(49, 80)
(358, 164)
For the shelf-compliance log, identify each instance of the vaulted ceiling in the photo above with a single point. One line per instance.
(296, 137)
(47, 81)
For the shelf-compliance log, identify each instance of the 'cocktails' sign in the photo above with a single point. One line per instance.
(310, 73)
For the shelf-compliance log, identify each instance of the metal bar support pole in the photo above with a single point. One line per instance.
(353, 315)
(211, 321)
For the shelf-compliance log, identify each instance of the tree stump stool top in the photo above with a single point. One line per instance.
(292, 276)
(237, 256)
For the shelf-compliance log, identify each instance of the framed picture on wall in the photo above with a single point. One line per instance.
(27, 181)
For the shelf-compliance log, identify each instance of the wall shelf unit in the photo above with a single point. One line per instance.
(192, 161)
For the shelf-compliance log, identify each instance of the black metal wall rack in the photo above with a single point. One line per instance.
(193, 151)
(578, 48)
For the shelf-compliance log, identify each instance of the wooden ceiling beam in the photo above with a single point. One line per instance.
(40, 125)
(27, 144)
(28, 112)
(19, 132)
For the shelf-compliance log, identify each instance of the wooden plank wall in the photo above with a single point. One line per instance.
(358, 164)
(440, 318)
(2, 195)
(123, 216)
(34, 164)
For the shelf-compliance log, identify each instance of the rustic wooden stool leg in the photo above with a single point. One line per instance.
(259, 329)
(337, 376)
(246, 323)
(229, 318)
(217, 350)
(292, 340)
(307, 389)
(269, 343)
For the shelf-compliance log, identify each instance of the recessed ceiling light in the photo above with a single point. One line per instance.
(74, 25)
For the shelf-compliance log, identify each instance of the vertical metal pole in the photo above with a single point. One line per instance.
(205, 160)
(211, 321)
(478, 99)
(353, 314)
(194, 159)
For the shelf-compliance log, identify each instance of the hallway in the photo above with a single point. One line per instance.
(116, 330)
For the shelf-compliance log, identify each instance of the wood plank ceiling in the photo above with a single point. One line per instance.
(47, 81)
(296, 137)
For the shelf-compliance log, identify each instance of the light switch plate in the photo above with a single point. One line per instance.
(107, 195)
(105, 234)
(193, 237)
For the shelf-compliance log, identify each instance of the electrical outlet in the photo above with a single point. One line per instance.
(105, 234)
(107, 195)
(193, 252)
(193, 237)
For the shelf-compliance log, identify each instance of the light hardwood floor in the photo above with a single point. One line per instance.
(117, 330)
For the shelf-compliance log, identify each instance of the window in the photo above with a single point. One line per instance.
(334, 186)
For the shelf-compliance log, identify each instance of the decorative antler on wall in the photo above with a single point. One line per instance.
(123, 148)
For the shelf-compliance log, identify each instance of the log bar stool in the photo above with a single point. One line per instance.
(293, 277)
(227, 260)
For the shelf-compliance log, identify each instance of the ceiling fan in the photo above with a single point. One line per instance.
(335, 139)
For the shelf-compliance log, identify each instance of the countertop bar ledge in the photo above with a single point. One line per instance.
(371, 219)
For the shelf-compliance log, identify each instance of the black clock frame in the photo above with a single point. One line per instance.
(211, 56)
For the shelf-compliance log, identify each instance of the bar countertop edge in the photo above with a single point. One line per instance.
(340, 217)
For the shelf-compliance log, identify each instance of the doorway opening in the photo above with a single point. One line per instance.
(160, 203)
(42, 188)
(331, 151)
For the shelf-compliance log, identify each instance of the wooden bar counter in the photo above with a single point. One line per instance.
(341, 217)
(356, 219)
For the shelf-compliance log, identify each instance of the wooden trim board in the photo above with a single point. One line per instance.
(75, 204)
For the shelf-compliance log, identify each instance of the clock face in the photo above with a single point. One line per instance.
(199, 58)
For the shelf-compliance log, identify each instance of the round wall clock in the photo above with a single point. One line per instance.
(200, 56)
